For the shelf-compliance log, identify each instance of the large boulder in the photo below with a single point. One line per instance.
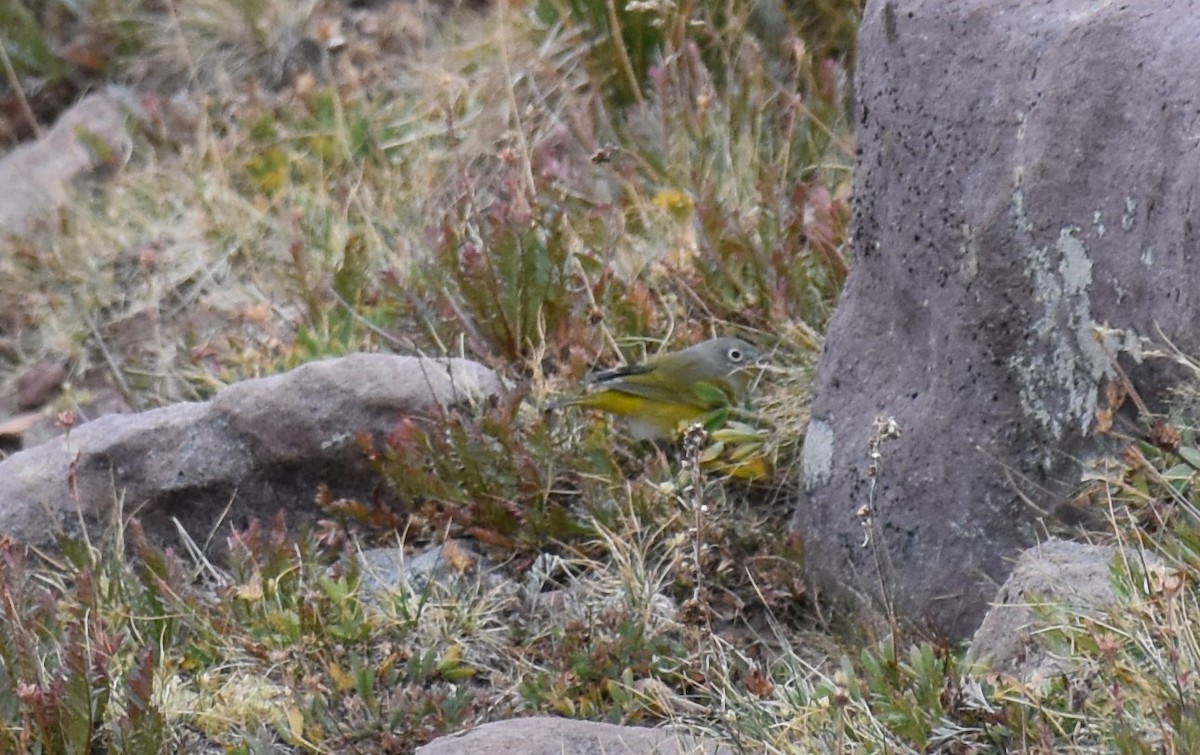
(1026, 173)
(260, 446)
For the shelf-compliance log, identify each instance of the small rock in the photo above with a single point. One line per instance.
(451, 565)
(1061, 572)
(88, 137)
(41, 382)
(544, 735)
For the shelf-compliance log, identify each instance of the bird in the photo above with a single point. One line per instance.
(657, 397)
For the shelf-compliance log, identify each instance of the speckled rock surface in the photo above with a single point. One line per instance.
(1027, 171)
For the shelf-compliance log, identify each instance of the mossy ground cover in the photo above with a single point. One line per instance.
(547, 188)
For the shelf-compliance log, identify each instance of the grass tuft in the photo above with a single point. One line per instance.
(550, 190)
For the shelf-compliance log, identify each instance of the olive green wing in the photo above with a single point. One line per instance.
(682, 364)
(702, 395)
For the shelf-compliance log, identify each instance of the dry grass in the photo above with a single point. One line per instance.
(475, 182)
(443, 181)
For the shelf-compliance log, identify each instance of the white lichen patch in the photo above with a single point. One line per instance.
(1128, 217)
(1061, 368)
(816, 459)
(1018, 204)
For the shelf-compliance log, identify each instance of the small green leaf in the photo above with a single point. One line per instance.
(711, 394)
(1190, 455)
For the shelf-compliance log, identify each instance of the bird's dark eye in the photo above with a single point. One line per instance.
(735, 354)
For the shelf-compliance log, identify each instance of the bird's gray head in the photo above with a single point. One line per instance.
(729, 353)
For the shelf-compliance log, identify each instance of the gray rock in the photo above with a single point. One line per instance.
(1071, 577)
(1026, 172)
(453, 567)
(543, 735)
(36, 177)
(258, 447)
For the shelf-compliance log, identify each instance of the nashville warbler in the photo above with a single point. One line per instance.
(665, 393)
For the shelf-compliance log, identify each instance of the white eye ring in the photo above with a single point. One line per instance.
(735, 354)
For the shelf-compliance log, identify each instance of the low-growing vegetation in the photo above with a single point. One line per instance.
(546, 188)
